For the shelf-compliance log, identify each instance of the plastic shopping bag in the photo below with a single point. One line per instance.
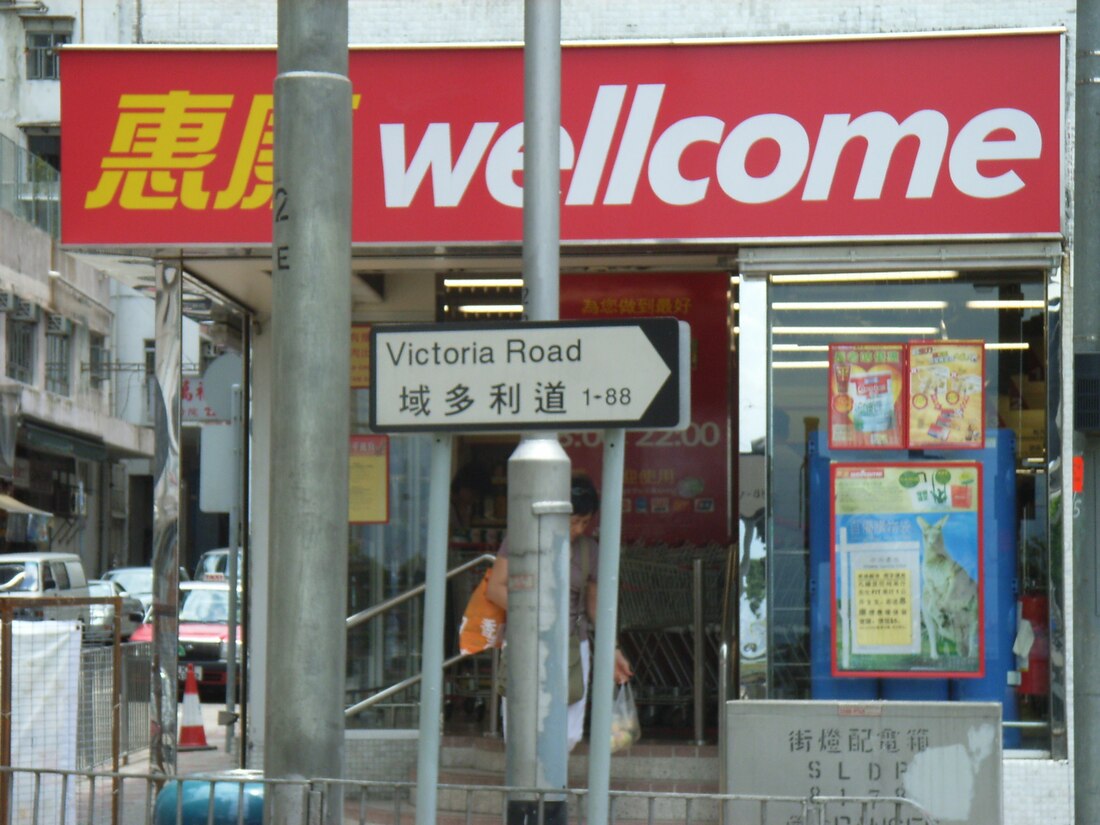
(625, 727)
(483, 621)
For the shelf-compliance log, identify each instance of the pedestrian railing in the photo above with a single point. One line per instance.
(57, 797)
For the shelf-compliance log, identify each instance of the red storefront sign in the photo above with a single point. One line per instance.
(877, 138)
(675, 484)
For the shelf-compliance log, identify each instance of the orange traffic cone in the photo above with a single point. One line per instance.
(192, 736)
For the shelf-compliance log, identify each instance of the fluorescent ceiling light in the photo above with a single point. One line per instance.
(463, 283)
(1015, 345)
(836, 277)
(804, 305)
(855, 331)
(800, 365)
(1008, 304)
(800, 348)
(477, 309)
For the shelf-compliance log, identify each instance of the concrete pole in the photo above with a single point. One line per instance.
(311, 330)
(1085, 748)
(539, 469)
(538, 633)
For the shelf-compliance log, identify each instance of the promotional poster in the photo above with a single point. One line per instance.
(866, 396)
(946, 397)
(907, 562)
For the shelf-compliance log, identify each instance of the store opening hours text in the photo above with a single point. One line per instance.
(697, 434)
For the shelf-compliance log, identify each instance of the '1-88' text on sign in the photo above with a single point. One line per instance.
(522, 376)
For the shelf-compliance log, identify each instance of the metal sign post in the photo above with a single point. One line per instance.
(536, 376)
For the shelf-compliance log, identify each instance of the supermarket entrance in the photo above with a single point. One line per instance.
(677, 516)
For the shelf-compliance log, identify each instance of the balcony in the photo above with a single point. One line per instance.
(30, 188)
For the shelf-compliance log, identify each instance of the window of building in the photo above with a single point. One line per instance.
(99, 358)
(45, 142)
(21, 350)
(150, 378)
(58, 354)
(44, 36)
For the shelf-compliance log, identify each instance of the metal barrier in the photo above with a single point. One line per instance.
(69, 706)
(54, 797)
(95, 716)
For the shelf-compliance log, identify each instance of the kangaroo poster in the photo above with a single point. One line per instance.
(907, 570)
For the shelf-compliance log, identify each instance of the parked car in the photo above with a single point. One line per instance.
(203, 633)
(32, 577)
(137, 581)
(213, 565)
(101, 626)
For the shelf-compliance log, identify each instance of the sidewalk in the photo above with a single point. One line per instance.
(138, 794)
(200, 761)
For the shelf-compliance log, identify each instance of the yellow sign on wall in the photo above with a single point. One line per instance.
(368, 479)
(360, 356)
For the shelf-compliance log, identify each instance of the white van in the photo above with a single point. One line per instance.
(32, 576)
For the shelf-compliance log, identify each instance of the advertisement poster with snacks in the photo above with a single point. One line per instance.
(675, 484)
(907, 570)
(946, 397)
(867, 396)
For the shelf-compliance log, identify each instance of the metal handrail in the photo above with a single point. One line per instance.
(382, 607)
(396, 688)
(357, 619)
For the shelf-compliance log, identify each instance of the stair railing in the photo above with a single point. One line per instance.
(379, 609)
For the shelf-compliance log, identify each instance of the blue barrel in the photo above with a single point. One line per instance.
(230, 793)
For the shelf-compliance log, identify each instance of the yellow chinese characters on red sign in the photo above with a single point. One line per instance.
(171, 150)
(639, 305)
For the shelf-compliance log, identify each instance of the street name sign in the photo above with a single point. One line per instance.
(546, 375)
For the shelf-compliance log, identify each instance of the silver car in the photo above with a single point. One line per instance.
(136, 581)
(101, 628)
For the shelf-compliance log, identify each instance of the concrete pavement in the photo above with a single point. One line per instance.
(138, 793)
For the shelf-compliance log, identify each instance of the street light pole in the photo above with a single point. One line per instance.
(311, 331)
(539, 469)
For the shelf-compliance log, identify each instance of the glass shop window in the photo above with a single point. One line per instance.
(906, 534)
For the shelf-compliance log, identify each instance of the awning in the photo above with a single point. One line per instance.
(48, 440)
(12, 505)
